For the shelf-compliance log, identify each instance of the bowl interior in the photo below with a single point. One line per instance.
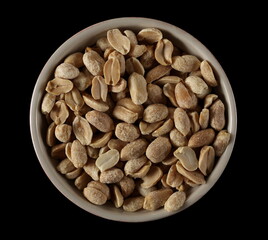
(87, 37)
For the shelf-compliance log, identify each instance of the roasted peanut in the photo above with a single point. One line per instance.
(221, 142)
(135, 120)
(159, 149)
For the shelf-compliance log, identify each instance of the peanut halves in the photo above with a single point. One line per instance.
(135, 122)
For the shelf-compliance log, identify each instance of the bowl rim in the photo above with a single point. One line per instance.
(60, 183)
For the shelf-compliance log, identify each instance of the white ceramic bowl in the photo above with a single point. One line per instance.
(87, 37)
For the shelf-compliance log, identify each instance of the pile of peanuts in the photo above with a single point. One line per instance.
(135, 121)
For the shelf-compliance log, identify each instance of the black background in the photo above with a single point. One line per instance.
(222, 28)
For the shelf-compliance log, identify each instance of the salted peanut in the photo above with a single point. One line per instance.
(145, 191)
(118, 41)
(101, 139)
(168, 79)
(130, 105)
(124, 114)
(174, 179)
(133, 149)
(59, 112)
(131, 36)
(197, 86)
(68, 148)
(142, 172)
(58, 151)
(182, 121)
(65, 166)
(133, 204)
(104, 149)
(74, 100)
(107, 52)
(164, 129)
(221, 142)
(169, 91)
(155, 113)
(83, 81)
(206, 159)
(164, 181)
(159, 149)
(196, 73)
(149, 35)
(216, 115)
(48, 103)
(185, 63)
(147, 59)
(119, 87)
(204, 118)
(185, 98)
(103, 43)
(137, 88)
(116, 144)
(76, 59)
(101, 187)
(184, 187)
(107, 160)
(148, 128)
(92, 152)
(96, 195)
(169, 160)
(187, 158)
(98, 105)
(134, 65)
(99, 89)
(78, 154)
(208, 74)
(58, 86)
(63, 132)
(194, 118)
(127, 132)
(50, 137)
(209, 99)
(112, 175)
(93, 62)
(163, 52)
(91, 169)
(117, 197)
(127, 186)
(155, 94)
(112, 71)
(121, 59)
(82, 130)
(152, 177)
(74, 174)
(137, 50)
(175, 201)
(134, 165)
(66, 71)
(201, 138)
(189, 182)
(194, 176)
(94, 48)
(100, 120)
(157, 72)
(82, 181)
(177, 139)
(156, 199)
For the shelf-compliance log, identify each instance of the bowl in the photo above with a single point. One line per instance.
(87, 37)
